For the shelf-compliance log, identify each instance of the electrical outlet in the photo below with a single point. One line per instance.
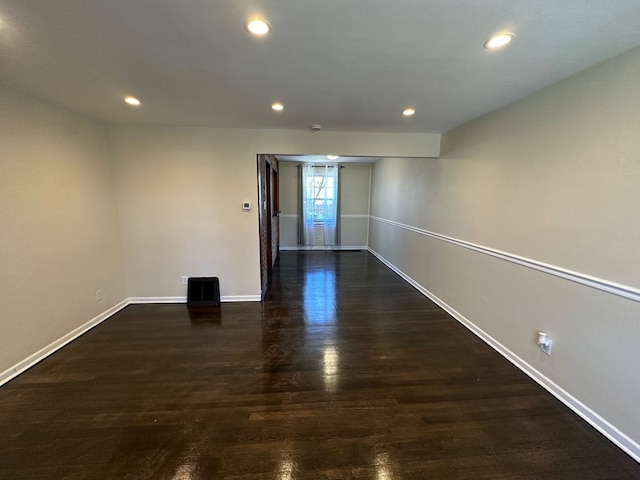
(544, 342)
(185, 280)
(98, 295)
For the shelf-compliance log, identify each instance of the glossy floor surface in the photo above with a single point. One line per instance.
(345, 371)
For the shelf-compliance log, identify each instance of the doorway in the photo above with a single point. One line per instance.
(268, 216)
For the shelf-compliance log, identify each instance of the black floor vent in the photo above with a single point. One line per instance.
(203, 291)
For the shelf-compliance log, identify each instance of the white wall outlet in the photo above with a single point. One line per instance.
(98, 295)
(246, 206)
(185, 280)
(544, 342)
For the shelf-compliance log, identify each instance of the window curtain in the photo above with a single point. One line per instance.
(307, 197)
(330, 210)
(319, 209)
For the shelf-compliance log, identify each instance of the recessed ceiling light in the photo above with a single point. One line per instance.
(407, 112)
(498, 41)
(333, 157)
(258, 26)
(278, 107)
(132, 101)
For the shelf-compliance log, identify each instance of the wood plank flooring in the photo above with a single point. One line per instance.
(344, 372)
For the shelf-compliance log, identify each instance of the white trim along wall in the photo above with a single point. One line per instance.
(350, 246)
(56, 345)
(607, 286)
(626, 443)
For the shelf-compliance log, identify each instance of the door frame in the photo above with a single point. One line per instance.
(268, 216)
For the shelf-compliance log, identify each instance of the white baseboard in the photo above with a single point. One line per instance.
(343, 215)
(619, 438)
(43, 353)
(240, 298)
(56, 345)
(141, 300)
(223, 299)
(323, 248)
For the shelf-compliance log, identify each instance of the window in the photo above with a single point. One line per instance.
(319, 199)
(323, 195)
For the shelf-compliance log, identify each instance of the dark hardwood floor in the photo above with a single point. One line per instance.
(345, 371)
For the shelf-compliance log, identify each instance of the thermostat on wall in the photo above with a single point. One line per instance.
(246, 205)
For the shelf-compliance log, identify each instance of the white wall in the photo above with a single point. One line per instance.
(60, 238)
(554, 178)
(355, 181)
(355, 189)
(288, 178)
(78, 199)
(180, 192)
(180, 195)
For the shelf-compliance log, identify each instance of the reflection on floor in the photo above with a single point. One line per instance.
(344, 371)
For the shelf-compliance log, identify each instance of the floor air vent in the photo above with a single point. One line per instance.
(203, 292)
